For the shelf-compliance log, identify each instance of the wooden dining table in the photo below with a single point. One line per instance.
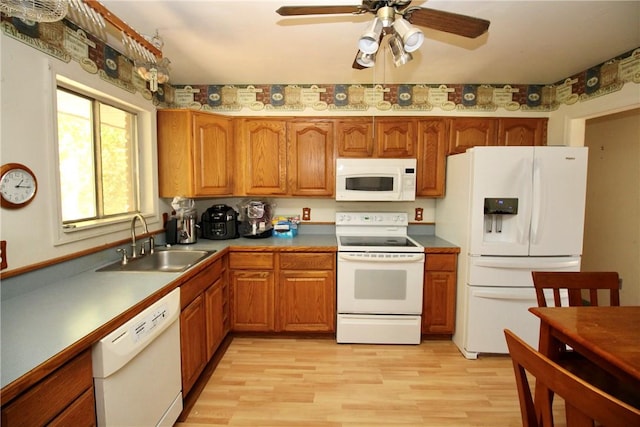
(607, 336)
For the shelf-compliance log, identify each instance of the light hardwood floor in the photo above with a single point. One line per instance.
(317, 383)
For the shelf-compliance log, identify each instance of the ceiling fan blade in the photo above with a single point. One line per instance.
(317, 10)
(462, 25)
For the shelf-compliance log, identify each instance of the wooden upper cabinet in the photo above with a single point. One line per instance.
(194, 154)
(354, 137)
(213, 155)
(432, 148)
(522, 131)
(376, 137)
(395, 137)
(467, 132)
(310, 166)
(262, 160)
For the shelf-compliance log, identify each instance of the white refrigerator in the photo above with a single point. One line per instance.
(511, 210)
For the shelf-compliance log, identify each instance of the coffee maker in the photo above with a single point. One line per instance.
(255, 219)
(182, 227)
(220, 222)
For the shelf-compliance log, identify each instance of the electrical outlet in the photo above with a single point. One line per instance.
(3, 254)
(306, 214)
(419, 216)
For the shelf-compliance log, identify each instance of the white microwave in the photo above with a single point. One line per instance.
(376, 179)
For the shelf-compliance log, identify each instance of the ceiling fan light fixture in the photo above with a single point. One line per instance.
(400, 56)
(367, 60)
(368, 42)
(412, 37)
(386, 15)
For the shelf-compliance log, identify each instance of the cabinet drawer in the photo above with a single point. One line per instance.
(251, 260)
(308, 261)
(52, 395)
(198, 283)
(81, 412)
(440, 262)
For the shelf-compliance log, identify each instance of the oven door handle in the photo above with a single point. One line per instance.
(406, 258)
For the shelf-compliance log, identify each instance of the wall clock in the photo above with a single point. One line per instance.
(18, 186)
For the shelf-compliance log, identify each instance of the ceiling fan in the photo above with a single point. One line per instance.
(394, 18)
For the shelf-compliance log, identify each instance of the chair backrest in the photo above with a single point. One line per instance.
(574, 283)
(584, 403)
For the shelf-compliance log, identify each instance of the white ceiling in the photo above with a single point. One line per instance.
(247, 42)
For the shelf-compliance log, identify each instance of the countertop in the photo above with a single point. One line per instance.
(37, 325)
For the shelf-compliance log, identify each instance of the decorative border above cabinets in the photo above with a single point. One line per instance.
(65, 41)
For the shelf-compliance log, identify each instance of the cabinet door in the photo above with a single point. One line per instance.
(354, 137)
(522, 131)
(467, 132)
(432, 147)
(439, 294)
(175, 156)
(263, 159)
(215, 316)
(395, 137)
(307, 301)
(252, 296)
(192, 342)
(311, 160)
(213, 158)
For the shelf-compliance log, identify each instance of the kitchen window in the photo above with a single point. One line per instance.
(97, 160)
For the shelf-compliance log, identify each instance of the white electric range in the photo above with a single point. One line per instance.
(380, 279)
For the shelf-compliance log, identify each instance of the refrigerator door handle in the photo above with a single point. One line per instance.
(502, 295)
(527, 263)
(524, 218)
(538, 198)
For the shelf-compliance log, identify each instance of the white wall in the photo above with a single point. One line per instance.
(27, 129)
(567, 124)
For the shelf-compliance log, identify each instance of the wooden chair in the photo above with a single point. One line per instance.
(584, 403)
(574, 283)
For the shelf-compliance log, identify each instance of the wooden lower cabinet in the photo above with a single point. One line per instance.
(278, 292)
(439, 296)
(252, 281)
(215, 319)
(193, 342)
(307, 292)
(202, 324)
(252, 293)
(64, 397)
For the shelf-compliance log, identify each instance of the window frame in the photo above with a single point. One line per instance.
(146, 158)
(96, 122)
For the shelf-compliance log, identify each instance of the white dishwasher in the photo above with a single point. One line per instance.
(136, 369)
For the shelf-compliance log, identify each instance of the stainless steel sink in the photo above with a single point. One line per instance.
(165, 260)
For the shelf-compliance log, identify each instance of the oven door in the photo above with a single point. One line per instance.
(380, 283)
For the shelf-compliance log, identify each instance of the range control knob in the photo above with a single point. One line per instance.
(344, 218)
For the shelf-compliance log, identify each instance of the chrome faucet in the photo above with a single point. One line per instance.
(134, 249)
